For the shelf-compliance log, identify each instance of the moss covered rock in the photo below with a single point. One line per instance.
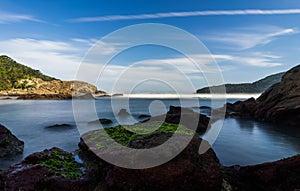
(187, 171)
(52, 169)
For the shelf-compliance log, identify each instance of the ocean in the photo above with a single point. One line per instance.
(240, 141)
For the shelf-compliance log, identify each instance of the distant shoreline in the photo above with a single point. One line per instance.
(186, 96)
(150, 96)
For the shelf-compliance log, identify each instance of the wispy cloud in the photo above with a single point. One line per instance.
(6, 17)
(62, 59)
(243, 39)
(55, 58)
(255, 59)
(187, 14)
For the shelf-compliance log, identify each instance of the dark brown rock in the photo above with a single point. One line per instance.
(101, 120)
(279, 104)
(123, 112)
(275, 176)
(186, 117)
(144, 116)
(45, 97)
(1, 181)
(36, 173)
(187, 171)
(9, 144)
(244, 109)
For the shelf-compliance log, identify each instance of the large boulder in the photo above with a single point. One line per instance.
(244, 109)
(1, 181)
(9, 144)
(276, 176)
(184, 116)
(52, 169)
(281, 102)
(189, 170)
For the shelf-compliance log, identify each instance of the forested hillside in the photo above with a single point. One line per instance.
(12, 72)
(255, 87)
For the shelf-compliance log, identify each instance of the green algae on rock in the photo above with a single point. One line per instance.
(62, 164)
(125, 134)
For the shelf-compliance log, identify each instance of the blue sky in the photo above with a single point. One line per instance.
(248, 39)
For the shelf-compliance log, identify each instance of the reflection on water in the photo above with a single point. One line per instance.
(245, 142)
(240, 141)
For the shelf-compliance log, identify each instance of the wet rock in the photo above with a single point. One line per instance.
(186, 117)
(102, 121)
(1, 181)
(59, 126)
(52, 169)
(280, 175)
(281, 102)
(144, 116)
(123, 112)
(245, 109)
(187, 171)
(9, 144)
(45, 96)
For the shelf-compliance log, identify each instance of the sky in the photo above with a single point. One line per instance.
(248, 40)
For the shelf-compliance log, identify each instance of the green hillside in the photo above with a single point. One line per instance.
(255, 87)
(11, 72)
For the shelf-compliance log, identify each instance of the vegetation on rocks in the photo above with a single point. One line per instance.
(62, 164)
(125, 134)
(20, 80)
(255, 87)
(11, 72)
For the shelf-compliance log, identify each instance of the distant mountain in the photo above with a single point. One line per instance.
(19, 80)
(255, 87)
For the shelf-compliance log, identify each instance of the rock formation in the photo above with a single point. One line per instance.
(55, 89)
(187, 171)
(50, 170)
(276, 176)
(279, 104)
(9, 144)
(184, 116)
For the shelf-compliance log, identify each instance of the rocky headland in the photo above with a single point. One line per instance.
(18, 80)
(278, 104)
(55, 89)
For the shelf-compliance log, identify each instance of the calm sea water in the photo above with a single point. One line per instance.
(240, 141)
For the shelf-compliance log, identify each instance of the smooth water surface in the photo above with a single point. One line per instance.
(240, 141)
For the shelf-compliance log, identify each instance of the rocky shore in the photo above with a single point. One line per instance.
(53, 90)
(56, 169)
(279, 104)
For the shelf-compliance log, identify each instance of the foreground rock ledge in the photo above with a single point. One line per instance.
(50, 170)
(10, 145)
(187, 171)
(282, 175)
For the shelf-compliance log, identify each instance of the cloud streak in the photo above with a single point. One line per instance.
(246, 39)
(12, 17)
(187, 14)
